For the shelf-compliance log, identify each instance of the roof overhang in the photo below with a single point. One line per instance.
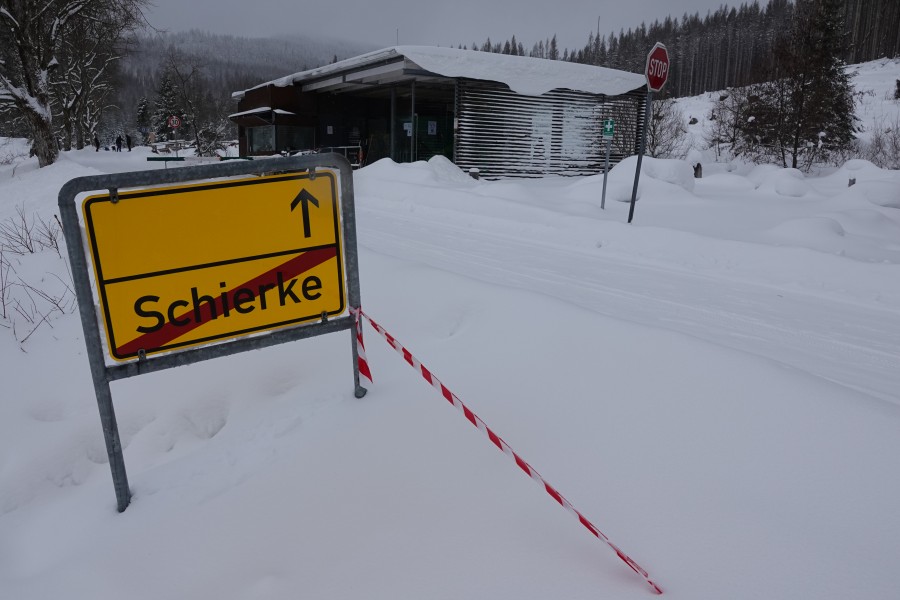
(389, 72)
(524, 75)
(263, 115)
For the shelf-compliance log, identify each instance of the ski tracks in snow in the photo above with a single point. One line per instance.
(851, 344)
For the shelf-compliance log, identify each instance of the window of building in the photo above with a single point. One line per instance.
(261, 139)
(293, 139)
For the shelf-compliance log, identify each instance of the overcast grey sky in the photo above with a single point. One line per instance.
(447, 23)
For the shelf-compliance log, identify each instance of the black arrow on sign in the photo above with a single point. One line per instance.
(303, 199)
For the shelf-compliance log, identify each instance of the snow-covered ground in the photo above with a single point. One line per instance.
(715, 386)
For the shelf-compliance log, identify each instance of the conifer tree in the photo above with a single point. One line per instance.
(804, 113)
(165, 106)
(142, 118)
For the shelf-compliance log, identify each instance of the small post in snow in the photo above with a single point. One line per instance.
(609, 128)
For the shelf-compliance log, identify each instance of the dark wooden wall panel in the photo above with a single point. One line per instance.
(504, 134)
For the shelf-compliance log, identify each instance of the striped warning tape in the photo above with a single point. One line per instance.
(495, 439)
(360, 346)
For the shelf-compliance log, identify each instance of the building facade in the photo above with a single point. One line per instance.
(507, 116)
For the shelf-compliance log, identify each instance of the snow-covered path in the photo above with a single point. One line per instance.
(841, 339)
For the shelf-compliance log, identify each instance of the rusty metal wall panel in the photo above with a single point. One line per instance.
(504, 134)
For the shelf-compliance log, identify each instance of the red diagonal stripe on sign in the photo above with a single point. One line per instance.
(169, 332)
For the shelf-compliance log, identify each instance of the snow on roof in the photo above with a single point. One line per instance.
(523, 75)
(261, 109)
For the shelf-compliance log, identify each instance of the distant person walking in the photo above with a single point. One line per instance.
(118, 143)
(128, 141)
(96, 143)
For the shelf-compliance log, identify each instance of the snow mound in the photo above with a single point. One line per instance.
(860, 234)
(823, 234)
(870, 183)
(437, 170)
(725, 182)
(858, 165)
(675, 172)
(621, 192)
(811, 231)
(758, 174)
(858, 170)
(882, 193)
(619, 185)
(445, 170)
(784, 182)
(868, 222)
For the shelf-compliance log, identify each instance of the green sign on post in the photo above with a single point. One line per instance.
(609, 128)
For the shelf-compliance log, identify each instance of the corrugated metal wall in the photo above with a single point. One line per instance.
(504, 134)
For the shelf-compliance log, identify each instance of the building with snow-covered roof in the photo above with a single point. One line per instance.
(504, 115)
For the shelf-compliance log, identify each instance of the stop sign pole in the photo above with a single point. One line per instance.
(657, 73)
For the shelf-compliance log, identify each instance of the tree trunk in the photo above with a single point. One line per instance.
(67, 131)
(43, 140)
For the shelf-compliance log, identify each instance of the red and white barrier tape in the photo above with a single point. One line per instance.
(361, 360)
(495, 439)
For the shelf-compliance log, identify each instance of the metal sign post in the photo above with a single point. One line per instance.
(609, 129)
(174, 122)
(657, 73)
(640, 157)
(262, 253)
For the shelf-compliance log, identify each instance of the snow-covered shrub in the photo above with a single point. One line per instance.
(26, 305)
(883, 146)
(12, 149)
(666, 131)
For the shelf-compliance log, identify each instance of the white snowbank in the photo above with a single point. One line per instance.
(659, 174)
(437, 170)
(711, 385)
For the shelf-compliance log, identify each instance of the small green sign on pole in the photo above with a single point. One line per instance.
(609, 129)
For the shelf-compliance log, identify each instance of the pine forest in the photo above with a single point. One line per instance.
(727, 48)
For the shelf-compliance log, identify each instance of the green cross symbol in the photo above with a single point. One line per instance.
(608, 128)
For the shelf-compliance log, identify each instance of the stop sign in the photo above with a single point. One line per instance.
(657, 70)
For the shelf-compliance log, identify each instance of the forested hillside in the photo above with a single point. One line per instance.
(102, 75)
(227, 63)
(728, 47)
